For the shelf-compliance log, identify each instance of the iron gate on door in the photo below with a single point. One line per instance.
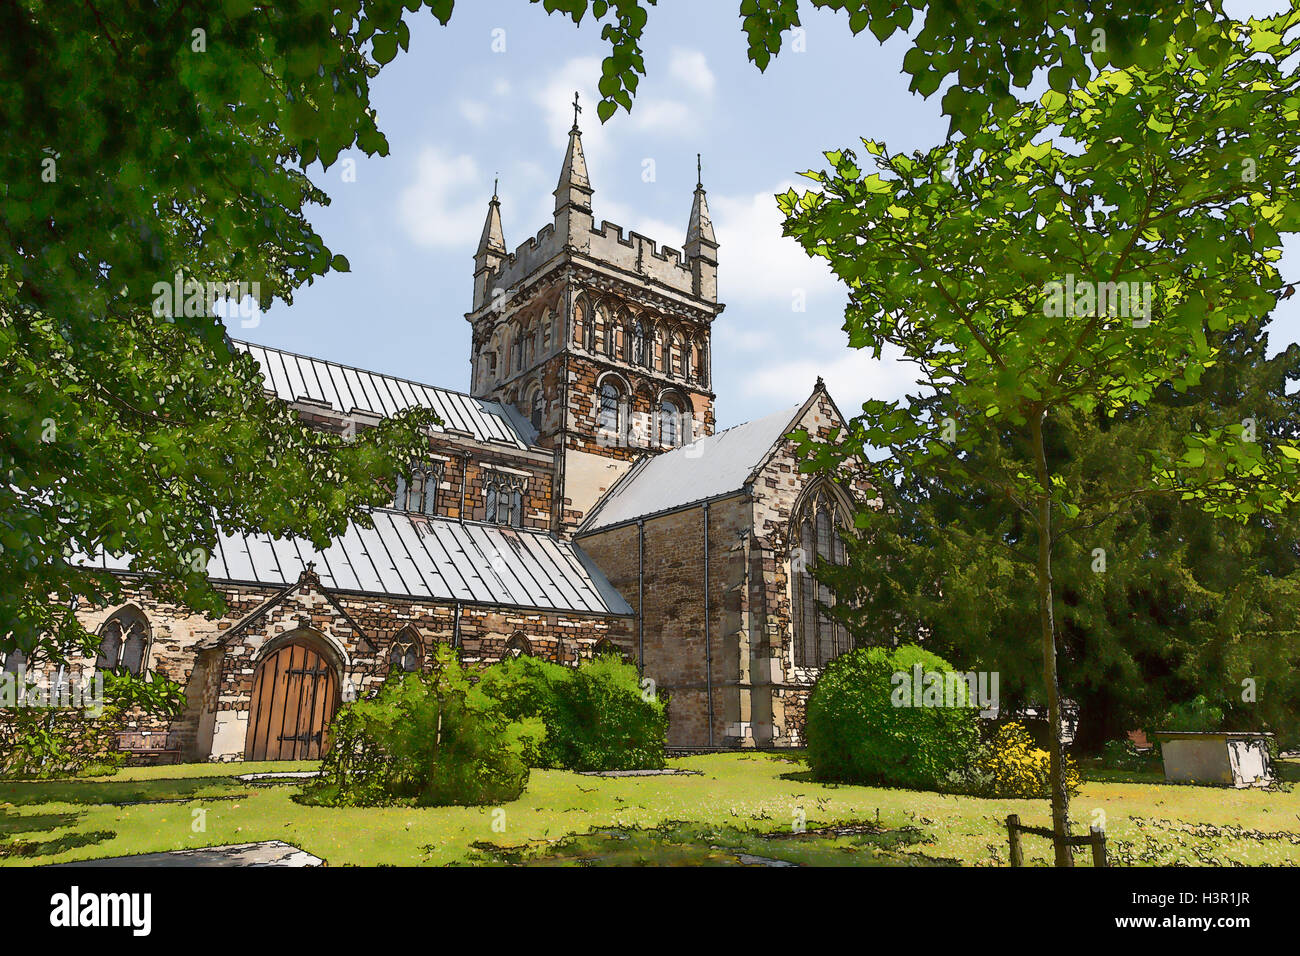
(294, 696)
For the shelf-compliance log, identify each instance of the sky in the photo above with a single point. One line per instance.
(490, 95)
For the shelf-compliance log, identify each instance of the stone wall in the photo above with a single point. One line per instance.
(673, 618)
(216, 661)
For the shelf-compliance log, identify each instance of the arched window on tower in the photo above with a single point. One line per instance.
(638, 343)
(537, 409)
(610, 338)
(670, 423)
(123, 642)
(609, 418)
(701, 363)
(816, 539)
(588, 327)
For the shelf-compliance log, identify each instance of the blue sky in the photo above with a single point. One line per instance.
(457, 110)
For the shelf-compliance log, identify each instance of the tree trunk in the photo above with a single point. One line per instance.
(1056, 764)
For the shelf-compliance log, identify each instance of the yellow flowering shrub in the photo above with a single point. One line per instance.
(1011, 766)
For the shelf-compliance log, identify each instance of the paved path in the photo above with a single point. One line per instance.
(270, 853)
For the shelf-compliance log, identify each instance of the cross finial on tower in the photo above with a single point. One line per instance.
(495, 179)
(576, 109)
(699, 173)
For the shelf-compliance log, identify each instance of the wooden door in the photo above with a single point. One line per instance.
(294, 696)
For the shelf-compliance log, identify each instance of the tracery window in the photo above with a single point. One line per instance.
(123, 641)
(518, 646)
(417, 492)
(816, 538)
(405, 653)
(505, 499)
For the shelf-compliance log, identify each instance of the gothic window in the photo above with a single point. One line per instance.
(537, 409)
(589, 328)
(518, 349)
(123, 641)
(701, 364)
(518, 646)
(417, 492)
(15, 663)
(670, 417)
(405, 653)
(608, 423)
(610, 338)
(817, 540)
(505, 500)
(638, 343)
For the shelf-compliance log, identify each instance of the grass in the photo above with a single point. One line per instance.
(739, 804)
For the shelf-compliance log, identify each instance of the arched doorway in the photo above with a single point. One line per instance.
(295, 693)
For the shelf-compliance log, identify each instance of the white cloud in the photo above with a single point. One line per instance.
(690, 68)
(852, 378)
(501, 87)
(730, 337)
(446, 202)
(758, 266)
(477, 113)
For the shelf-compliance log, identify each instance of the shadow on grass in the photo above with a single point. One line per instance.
(69, 841)
(116, 792)
(12, 824)
(693, 844)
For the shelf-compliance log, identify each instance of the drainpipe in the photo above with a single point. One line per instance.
(464, 468)
(455, 631)
(640, 593)
(708, 646)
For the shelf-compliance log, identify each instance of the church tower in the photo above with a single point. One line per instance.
(600, 340)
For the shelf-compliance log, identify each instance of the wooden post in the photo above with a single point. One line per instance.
(1013, 835)
(1098, 846)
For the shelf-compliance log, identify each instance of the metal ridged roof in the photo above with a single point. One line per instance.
(293, 377)
(441, 559)
(707, 468)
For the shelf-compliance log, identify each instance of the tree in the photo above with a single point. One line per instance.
(1158, 603)
(983, 260)
(147, 145)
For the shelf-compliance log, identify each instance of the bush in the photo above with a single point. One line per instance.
(1012, 767)
(856, 734)
(596, 716)
(1197, 714)
(45, 742)
(1124, 755)
(434, 739)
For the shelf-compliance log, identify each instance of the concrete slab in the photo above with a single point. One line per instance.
(273, 776)
(268, 853)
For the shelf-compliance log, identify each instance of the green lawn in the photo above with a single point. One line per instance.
(738, 803)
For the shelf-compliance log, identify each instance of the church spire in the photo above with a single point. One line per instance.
(492, 240)
(574, 188)
(491, 249)
(701, 245)
(700, 229)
